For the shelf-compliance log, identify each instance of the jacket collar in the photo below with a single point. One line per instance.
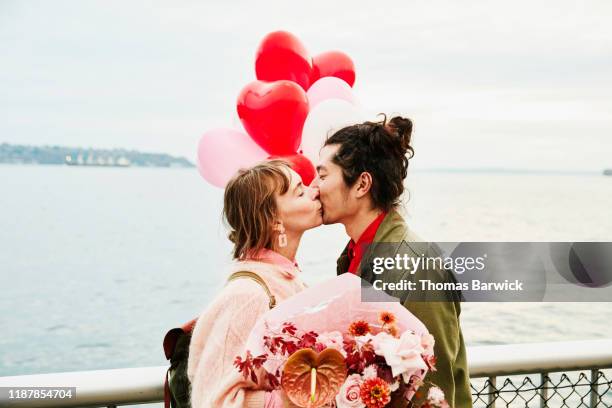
(392, 231)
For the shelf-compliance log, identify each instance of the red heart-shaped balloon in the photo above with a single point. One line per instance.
(301, 165)
(273, 113)
(333, 63)
(281, 55)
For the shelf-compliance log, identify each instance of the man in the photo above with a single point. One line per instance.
(360, 178)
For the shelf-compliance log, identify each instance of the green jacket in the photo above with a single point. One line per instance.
(441, 318)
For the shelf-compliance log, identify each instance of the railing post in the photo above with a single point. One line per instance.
(544, 390)
(492, 392)
(594, 395)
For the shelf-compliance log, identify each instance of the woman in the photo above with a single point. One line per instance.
(268, 209)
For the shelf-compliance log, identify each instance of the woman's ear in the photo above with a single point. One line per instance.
(364, 184)
(278, 226)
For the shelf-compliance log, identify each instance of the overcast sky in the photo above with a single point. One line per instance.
(519, 84)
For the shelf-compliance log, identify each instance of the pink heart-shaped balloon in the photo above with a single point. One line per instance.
(273, 113)
(329, 88)
(334, 64)
(281, 55)
(222, 152)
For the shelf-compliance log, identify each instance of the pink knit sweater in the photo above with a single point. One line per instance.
(222, 330)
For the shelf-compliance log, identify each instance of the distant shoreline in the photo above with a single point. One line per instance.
(96, 167)
(91, 157)
(86, 157)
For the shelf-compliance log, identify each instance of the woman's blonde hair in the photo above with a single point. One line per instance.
(249, 207)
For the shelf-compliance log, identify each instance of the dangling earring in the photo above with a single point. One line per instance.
(282, 237)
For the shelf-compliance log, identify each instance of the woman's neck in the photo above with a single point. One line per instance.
(289, 251)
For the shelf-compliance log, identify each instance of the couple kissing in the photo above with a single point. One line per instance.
(359, 183)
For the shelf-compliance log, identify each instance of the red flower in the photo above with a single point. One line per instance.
(289, 328)
(308, 340)
(359, 328)
(375, 393)
(249, 364)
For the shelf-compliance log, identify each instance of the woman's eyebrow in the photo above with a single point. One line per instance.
(297, 186)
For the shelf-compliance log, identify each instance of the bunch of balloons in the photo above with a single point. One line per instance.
(296, 101)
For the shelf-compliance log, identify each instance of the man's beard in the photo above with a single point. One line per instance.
(331, 219)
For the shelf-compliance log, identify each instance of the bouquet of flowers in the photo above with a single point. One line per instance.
(324, 347)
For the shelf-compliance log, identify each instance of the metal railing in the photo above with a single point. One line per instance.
(542, 374)
(536, 363)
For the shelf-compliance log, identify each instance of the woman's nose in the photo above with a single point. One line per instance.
(313, 193)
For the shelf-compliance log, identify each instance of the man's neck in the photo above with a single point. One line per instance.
(357, 224)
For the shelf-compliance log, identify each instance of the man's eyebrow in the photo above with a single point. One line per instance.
(296, 186)
(321, 167)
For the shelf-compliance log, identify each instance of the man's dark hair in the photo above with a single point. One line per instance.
(379, 148)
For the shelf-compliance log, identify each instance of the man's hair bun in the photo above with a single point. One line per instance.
(401, 128)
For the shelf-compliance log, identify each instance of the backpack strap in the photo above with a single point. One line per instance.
(256, 278)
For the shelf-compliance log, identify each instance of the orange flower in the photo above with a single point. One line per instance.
(375, 393)
(359, 328)
(386, 318)
(392, 330)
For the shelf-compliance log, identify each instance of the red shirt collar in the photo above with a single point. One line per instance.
(356, 249)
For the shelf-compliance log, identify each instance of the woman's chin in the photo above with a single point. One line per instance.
(318, 220)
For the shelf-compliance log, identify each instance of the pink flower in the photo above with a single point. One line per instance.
(348, 397)
(427, 342)
(378, 340)
(332, 340)
(403, 355)
(435, 396)
(370, 372)
(275, 362)
(361, 340)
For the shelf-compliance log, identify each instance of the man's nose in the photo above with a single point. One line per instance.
(315, 183)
